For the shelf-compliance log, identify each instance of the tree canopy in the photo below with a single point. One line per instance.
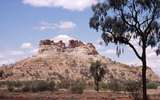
(124, 20)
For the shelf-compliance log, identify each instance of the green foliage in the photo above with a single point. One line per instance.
(52, 86)
(11, 85)
(129, 19)
(122, 21)
(116, 85)
(103, 86)
(26, 86)
(152, 85)
(10, 88)
(134, 88)
(78, 87)
(65, 84)
(14, 83)
(39, 86)
(97, 72)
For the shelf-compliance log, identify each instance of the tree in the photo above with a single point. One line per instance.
(98, 72)
(122, 21)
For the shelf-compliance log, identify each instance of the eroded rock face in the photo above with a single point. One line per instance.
(93, 49)
(75, 43)
(60, 46)
(52, 43)
(46, 42)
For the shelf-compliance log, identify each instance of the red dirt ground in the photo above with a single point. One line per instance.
(62, 95)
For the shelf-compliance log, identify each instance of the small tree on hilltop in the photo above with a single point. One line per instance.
(98, 72)
(122, 21)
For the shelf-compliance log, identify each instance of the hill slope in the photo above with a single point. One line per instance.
(59, 60)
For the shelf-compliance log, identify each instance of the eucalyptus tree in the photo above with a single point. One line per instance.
(124, 21)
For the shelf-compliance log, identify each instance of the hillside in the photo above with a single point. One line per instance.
(60, 60)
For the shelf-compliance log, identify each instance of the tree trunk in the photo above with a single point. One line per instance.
(144, 80)
(97, 85)
(144, 68)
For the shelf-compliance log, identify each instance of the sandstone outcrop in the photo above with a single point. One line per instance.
(60, 46)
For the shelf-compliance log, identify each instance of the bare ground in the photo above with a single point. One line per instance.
(64, 95)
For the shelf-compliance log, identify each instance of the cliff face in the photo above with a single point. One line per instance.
(58, 60)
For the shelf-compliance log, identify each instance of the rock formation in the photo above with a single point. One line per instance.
(58, 60)
(60, 46)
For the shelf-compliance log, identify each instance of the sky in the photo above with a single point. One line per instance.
(25, 22)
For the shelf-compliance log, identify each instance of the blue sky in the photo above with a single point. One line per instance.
(25, 22)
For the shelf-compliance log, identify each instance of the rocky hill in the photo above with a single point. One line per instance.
(59, 60)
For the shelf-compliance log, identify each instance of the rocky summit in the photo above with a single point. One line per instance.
(59, 60)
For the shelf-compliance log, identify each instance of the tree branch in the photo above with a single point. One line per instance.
(129, 24)
(152, 19)
(125, 41)
(134, 49)
(145, 21)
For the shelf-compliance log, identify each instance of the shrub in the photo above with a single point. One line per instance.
(115, 85)
(52, 86)
(152, 85)
(11, 85)
(65, 84)
(25, 86)
(10, 88)
(2, 83)
(39, 85)
(103, 86)
(78, 87)
(134, 88)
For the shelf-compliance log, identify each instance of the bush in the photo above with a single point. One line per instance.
(103, 86)
(3, 83)
(152, 85)
(11, 85)
(10, 88)
(39, 86)
(65, 84)
(134, 88)
(116, 85)
(52, 86)
(78, 87)
(25, 86)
